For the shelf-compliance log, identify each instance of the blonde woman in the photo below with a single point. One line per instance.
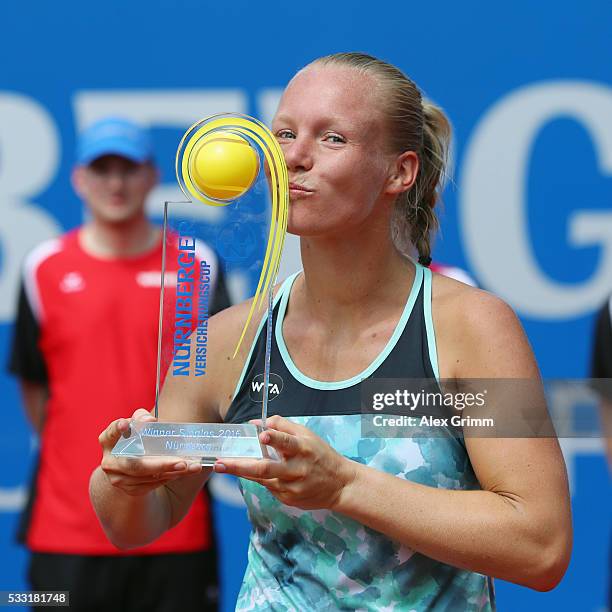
(345, 522)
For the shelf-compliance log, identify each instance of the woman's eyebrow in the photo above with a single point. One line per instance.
(336, 122)
(281, 118)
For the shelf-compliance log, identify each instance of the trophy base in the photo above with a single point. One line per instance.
(206, 442)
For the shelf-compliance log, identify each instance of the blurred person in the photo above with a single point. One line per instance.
(343, 521)
(85, 348)
(601, 367)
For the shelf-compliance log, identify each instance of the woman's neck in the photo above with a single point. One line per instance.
(350, 278)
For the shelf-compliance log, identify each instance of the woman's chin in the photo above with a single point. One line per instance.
(311, 231)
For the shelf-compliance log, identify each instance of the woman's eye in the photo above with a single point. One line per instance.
(285, 134)
(334, 138)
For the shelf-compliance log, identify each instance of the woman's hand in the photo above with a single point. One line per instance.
(310, 475)
(139, 476)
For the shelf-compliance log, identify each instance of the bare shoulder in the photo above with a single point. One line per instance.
(478, 334)
(227, 326)
(463, 304)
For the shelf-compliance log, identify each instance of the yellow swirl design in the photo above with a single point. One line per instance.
(258, 133)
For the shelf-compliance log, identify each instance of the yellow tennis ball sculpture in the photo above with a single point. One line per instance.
(217, 161)
(223, 165)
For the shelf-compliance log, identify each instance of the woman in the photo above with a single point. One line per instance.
(345, 522)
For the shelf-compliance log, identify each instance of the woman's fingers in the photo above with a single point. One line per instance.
(282, 424)
(145, 466)
(284, 436)
(286, 444)
(138, 476)
(261, 469)
(122, 427)
(309, 475)
(151, 479)
(110, 436)
(143, 415)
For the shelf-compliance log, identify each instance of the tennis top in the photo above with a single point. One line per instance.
(323, 560)
(87, 328)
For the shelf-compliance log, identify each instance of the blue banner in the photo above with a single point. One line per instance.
(528, 212)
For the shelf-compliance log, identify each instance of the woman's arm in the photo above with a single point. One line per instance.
(518, 527)
(138, 499)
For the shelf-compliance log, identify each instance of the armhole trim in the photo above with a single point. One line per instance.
(286, 283)
(429, 326)
(372, 367)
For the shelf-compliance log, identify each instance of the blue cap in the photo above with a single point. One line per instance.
(114, 136)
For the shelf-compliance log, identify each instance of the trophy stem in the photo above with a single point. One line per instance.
(264, 407)
(161, 309)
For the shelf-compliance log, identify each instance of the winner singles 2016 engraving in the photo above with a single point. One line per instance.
(197, 439)
(157, 430)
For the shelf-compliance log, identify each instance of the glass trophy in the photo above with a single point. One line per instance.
(233, 163)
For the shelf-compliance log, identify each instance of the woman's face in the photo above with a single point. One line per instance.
(331, 131)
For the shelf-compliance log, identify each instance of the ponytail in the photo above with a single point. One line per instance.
(420, 201)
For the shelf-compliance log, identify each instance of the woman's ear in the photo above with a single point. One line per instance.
(403, 173)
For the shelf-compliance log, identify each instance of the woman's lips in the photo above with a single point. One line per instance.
(295, 189)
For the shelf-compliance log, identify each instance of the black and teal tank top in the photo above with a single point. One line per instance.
(323, 560)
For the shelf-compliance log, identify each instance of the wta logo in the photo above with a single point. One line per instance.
(275, 387)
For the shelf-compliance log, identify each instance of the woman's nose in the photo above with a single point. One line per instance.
(298, 154)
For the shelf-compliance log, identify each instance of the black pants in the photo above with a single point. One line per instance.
(145, 583)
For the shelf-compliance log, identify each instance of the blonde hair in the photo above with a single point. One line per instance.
(414, 124)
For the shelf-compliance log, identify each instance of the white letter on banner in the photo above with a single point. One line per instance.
(29, 146)
(493, 197)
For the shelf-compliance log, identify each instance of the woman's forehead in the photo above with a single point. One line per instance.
(334, 91)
